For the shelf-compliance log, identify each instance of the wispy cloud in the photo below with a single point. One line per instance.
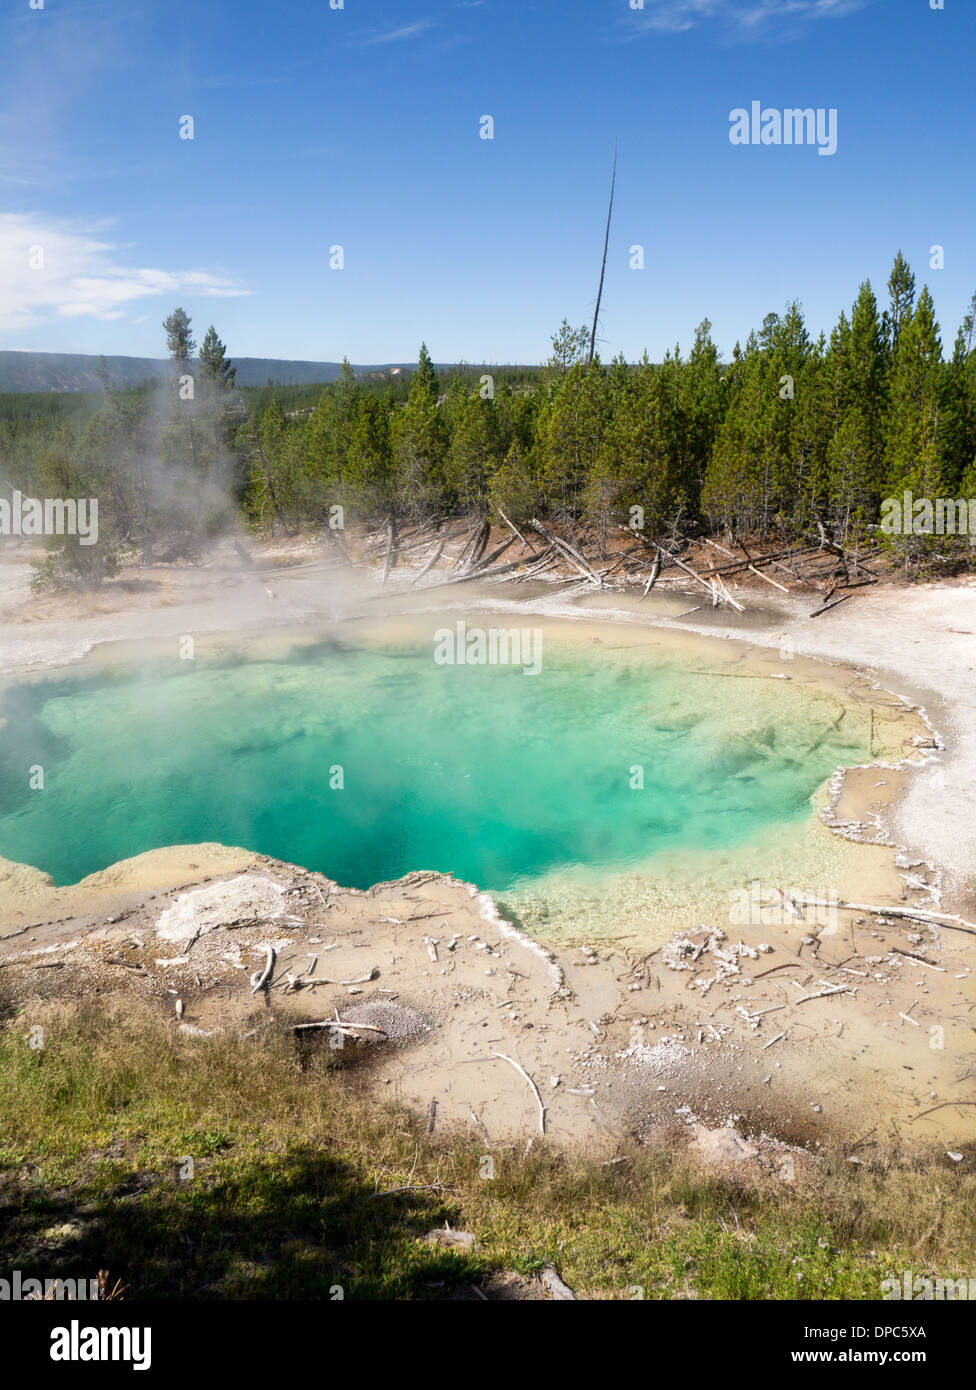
(61, 270)
(408, 31)
(743, 16)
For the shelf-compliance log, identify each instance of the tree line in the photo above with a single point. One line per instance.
(793, 433)
(790, 436)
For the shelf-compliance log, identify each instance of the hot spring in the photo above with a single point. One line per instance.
(628, 782)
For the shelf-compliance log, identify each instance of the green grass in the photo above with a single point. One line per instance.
(288, 1153)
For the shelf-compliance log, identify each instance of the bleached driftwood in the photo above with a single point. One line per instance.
(775, 582)
(915, 914)
(339, 1025)
(652, 579)
(512, 527)
(305, 981)
(580, 561)
(910, 955)
(261, 978)
(823, 994)
(432, 559)
(710, 588)
(389, 562)
(522, 1072)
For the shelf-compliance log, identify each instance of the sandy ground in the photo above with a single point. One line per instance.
(859, 1034)
(850, 1032)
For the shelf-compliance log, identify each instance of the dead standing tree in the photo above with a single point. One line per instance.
(603, 263)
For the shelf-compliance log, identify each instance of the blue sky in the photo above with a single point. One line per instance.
(360, 127)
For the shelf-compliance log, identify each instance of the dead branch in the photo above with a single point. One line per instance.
(340, 1026)
(512, 527)
(259, 980)
(435, 555)
(938, 919)
(828, 606)
(522, 1072)
(581, 562)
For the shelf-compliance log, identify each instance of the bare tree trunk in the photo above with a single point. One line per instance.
(603, 265)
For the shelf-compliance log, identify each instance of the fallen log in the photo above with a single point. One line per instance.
(467, 578)
(652, 579)
(479, 548)
(435, 555)
(775, 582)
(915, 914)
(544, 561)
(340, 1025)
(771, 559)
(391, 543)
(306, 980)
(463, 552)
(720, 583)
(859, 583)
(828, 606)
(512, 527)
(579, 560)
(704, 583)
(716, 546)
(498, 551)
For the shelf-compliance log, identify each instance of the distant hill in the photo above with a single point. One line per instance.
(76, 371)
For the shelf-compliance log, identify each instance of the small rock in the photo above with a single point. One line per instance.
(453, 1240)
(724, 1145)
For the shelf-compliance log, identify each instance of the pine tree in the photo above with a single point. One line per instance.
(574, 427)
(367, 491)
(866, 392)
(419, 446)
(738, 496)
(960, 402)
(179, 339)
(474, 455)
(634, 466)
(704, 399)
(916, 423)
(901, 291)
(853, 500)
(215, 366)
(425, 378)
(812, 429)
(570, 347)
(328, 437)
